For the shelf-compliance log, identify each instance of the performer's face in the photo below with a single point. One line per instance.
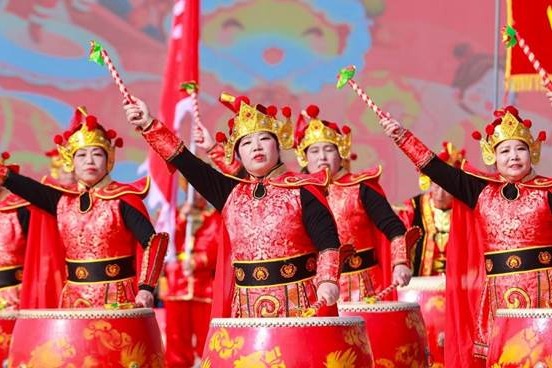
(259, 153)
(513, 160)
(441, 198)
(90, 165)
(323, 155)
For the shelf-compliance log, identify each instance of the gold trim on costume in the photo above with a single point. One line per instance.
(273, 259)
(99, 282)
(96, 259)
(274, 285)
(358, 177)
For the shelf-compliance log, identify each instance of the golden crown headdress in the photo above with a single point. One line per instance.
(252, 119)
(85, 131)
(5, 157)
(508, 125)
(317, 131)
(451, 155)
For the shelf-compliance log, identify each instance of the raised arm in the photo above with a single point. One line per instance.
(211, 184)
(461, 185)
(42, 196)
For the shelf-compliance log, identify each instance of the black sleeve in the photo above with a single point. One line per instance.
(461, 185)
(137, 223)
(319, 222)
(40, 195)
(380, 212)
(24, 215)
(214, 186)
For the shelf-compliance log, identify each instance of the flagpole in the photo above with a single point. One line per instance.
(191, 89)
(497, 42)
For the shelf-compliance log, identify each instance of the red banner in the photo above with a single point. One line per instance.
(182, 66)
(533, 22)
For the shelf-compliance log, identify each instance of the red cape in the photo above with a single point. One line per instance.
(465, 275)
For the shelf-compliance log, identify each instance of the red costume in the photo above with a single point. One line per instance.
(363, 215)
(501, 240)
(281, 231)
(99, 226)
(428, 255)
(189, 297)
(14, 225)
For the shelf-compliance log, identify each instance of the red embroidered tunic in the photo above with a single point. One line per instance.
(364, 219)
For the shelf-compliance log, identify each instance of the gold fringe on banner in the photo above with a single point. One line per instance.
(524, 83)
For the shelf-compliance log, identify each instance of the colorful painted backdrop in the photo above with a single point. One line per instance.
(429, 63)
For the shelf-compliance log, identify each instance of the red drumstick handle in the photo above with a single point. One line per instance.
(379, 296)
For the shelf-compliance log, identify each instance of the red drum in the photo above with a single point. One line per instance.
(287, 342)
(7, 321)
(521, 338)
(429, 293)
(49, 338)
(396, 332)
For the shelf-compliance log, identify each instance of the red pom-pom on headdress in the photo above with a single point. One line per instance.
(353, 157)
(91, 122)
(286, 111)
(58, 139)
(5, 155)
(476, 135)
(489, 129)
(272, 111)
(119, 142)
(220, 137)
(542, 136)
(528, 123)
(313, 111)
(110, 134)
(345, 129)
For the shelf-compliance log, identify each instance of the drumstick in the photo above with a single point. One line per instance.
(379, 296)
(345, 76)
(99, 55)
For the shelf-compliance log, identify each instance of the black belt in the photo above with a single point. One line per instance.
(275, 272)
(518, 260)
(101, 271)
(360, 261)
(11, 276)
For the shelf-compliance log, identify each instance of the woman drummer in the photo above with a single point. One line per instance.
(502, 231)
(100, 221)
(365, 218)
(281, 231)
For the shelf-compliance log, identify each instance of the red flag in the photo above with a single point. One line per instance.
(182, 65)
(533, 22)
